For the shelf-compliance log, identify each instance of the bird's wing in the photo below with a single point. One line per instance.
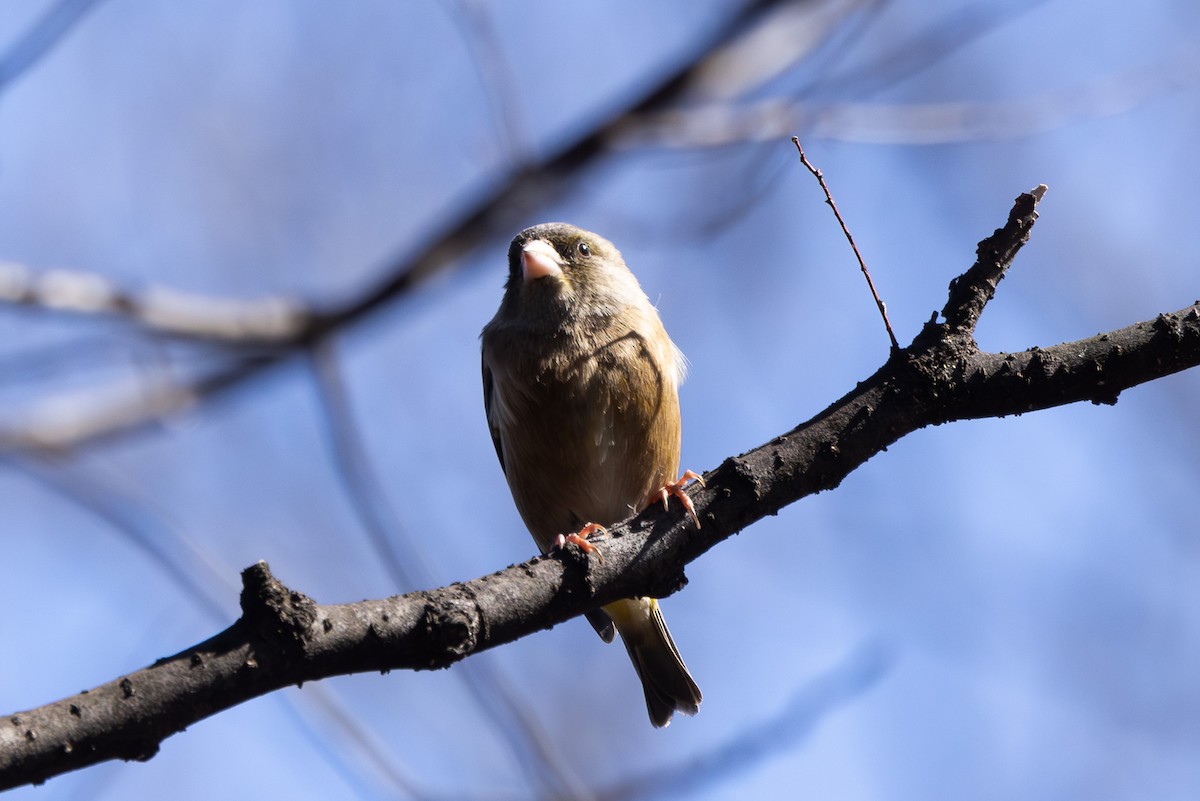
(489, 389)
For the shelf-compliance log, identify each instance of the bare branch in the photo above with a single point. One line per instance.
(732, 122)
(285, 638)
(91, 416)
(862, 265)
(777, 43)
(158, 310)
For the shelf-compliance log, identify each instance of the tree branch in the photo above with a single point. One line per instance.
(285, 638)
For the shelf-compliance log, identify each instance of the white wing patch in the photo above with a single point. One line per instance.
(680, 363)
(501, 414)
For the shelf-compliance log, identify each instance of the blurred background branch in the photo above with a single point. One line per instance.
(528, 186)
(41, 37)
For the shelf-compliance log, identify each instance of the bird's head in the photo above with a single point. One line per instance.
(558, 272)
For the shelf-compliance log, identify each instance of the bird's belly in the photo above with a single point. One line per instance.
(577, 464)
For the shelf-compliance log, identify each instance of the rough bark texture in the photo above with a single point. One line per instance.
(285, 638)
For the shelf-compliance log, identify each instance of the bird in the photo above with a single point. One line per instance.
(580, 384)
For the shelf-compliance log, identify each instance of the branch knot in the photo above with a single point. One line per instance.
(280, 615)
(454, 624)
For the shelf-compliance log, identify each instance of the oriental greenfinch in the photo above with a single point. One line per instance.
(581, 393)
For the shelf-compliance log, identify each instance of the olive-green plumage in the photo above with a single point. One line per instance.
(581, 392)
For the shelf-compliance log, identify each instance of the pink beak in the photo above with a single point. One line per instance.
(539, 259)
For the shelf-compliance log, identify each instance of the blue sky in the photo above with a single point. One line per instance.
(992, 609)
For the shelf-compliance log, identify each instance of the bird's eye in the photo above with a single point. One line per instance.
(584, 249)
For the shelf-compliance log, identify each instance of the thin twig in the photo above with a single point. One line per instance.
(861, 264)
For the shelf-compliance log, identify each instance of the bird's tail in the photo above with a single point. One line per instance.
(665, 679)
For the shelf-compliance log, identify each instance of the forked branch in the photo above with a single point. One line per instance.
(284, 638)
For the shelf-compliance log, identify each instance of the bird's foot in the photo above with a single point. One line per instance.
(581, 539)
(676, 489)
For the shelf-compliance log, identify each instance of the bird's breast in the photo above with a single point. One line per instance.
(589, 430)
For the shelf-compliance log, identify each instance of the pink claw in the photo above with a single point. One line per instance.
(580, 538)
(676, 489)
